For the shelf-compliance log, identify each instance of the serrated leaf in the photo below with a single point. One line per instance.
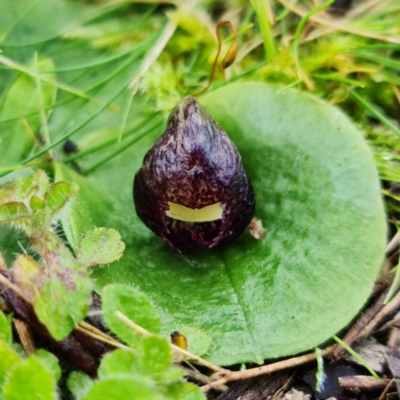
(79, 383)
(172, 373)
(157, 354)
(5, 328)
(318, 197)
(81, 222)
(183, 391)
(123, 388)
(21, 189)
(132, 303)
(11, 211)
(16, 214)
(59, 195)
(50, 361)
(120, 362)
(30, 380)
(145, 359)
(9, 360)
(28, 275)
(198, 340)
(60, 308)
(100, 246)
(59, 290)
(36, 204)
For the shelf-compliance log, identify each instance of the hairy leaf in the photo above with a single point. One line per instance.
(199, 341)
(183, 391)
(16, 188)
(132, 303)
(100, 246)
(30, 380)
(123, 388)
(51, 362)
(59, 195)
(5, 328)
(79, 383)
(9, 361)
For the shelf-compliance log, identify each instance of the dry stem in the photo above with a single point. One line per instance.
(336, 25)
(265, 369)
(192, 356)
(25, 335)
(101, 338)
(387, 310)
(13, 287)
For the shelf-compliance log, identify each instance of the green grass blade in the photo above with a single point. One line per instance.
(374, 111)
(356, 356)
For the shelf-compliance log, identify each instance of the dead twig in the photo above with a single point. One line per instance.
(192, 356)
(13, 287)
(265, 369)
(101, 338)
(364, 383)
(25, 335)
(387, 310)
(394, 243)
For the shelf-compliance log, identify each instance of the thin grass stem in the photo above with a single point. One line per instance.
(374, 111)
(356, 356)
(120, 150)
(42, 113)
(299, 31)
(262, 10)
(111, 142)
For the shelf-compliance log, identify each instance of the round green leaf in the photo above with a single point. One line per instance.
(51, 362)
(317, 196)
(135, 305)
(198, 340)
(30, 380)
(184, 391)
(123, 388)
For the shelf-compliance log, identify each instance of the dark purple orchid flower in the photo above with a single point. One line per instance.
(192, 186)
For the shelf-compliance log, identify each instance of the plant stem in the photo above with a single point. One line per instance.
(154, 53)
(266, 369)
(375, 112)
(262, 10)
(299, 31)
(42, 112)
(356, 356)
(192, 356)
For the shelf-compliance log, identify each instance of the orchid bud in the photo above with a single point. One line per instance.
(192, 187)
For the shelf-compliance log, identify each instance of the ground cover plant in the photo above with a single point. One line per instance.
(312, 103)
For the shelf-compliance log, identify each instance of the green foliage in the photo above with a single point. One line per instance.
(143, 372)
(308, 164)
(132, 303)
(66, 67)
(79, 383)
(51, 362)
(5, 328)
(20, 111)
(59, 287)
(30, 380)
(198, 340)
(146, 370)
(9, 361)
(100, 246)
